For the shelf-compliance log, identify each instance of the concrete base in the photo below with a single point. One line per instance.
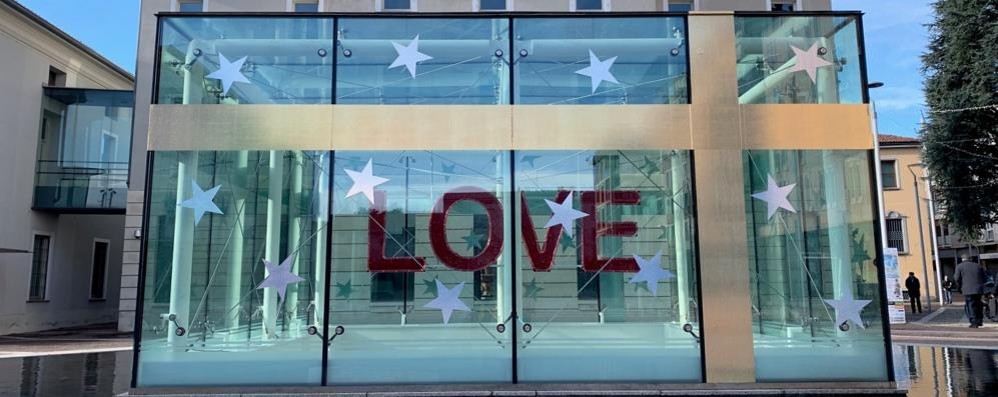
(751, 389)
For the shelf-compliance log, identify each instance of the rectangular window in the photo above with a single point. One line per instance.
(492, 5)
(588, 5)
(190, 6)
(896, 234)
(39, 267)
(307, 6)
(98, 272)
(783, 6)
(680, 6)
(889, 174)
(398, 5)
(57, 78)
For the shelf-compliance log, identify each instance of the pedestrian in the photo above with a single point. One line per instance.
(970, 276)
(948, 287)
(914, 292)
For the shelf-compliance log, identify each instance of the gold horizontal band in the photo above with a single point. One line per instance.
(477, 127)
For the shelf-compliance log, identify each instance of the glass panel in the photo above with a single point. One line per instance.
(191, 6)
(601, 60)
(234, 268)
(814, 279)
(680, 7)
(423, 61)
(605, 298)
(307, 7)
(588, 4)
(437, 218)
(397, 4)
(888, 174)
(83, 149)
(798, 59)
(245, 60)
(492, 5)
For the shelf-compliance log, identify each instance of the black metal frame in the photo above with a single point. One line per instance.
(878, 261)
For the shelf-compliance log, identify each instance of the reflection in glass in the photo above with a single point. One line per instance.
(235, 60)
(430, 236)
(817, 246)
(798, 59)
(640, 60)
(591, 319)
(423, 61)
(206, 319)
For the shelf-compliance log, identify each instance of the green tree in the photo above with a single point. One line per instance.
(961, 146)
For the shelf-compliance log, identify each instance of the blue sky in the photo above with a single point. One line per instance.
(895, 38)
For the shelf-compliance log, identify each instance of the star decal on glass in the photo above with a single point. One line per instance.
(650, 166)
(529, 159)
(201, 201)
(473, 241)
(343, 290)
(364, 181)
(775, 197)
(409, 56)
(809, 61)
(228, 72)
(564, 214)
(651, 272)
(531, 289)
(598, 71)
(566, 242)
(430, 287)
(279, 276)
(448, 300)
(848, 308)
(448, 170)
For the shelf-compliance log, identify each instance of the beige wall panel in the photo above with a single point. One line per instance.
(712, 59)
(817, 5)
(635, 5)
(727, 322)
(245, 5)
(716, 127)
(349, 5)
(421, 127)
(601, 127)
(239, 127)
(806, 127)
(732, 5)
(541, 5)
(444, 5)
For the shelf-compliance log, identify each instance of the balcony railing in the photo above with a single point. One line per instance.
(81, 186)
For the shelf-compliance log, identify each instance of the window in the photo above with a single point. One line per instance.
(588, 5)
(57, 78)
(39, 267)
(492, 5)
(680, 6)
(889, 174)
(897, 233)
(989, 232)
(398, 5)
(307, 6)
(783, 5)
(190, 6)
(98, 272)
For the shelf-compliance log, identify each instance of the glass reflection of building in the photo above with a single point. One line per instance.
(436, 252)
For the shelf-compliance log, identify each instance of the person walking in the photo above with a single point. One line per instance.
(970, 277)
(948, 287)
(914, 288)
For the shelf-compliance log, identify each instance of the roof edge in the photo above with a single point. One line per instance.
(27, 13)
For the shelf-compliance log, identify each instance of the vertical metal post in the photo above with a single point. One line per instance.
(921, 236)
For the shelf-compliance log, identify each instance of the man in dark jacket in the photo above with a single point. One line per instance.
(914, 292)
(970, 276)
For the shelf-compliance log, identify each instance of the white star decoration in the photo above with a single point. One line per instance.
(364, 182)
(201, 201)
(279, 276)
(775, 197)
(598, 71)
(448, 300)
(228, 72)
(809, 61)
(651, 272)
(848, 308)
(409, 56)
(564, 214)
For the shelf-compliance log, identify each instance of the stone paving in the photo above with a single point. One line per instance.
(946, 325)
(98, 338)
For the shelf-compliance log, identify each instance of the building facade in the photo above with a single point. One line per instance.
(370, 198)
(66, 125)
(907, 208)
